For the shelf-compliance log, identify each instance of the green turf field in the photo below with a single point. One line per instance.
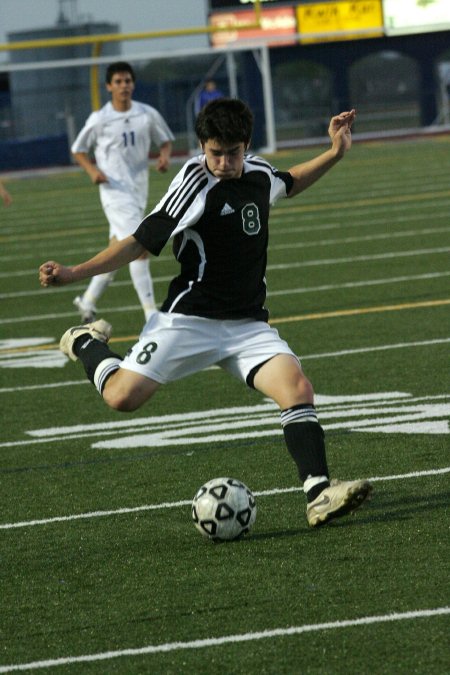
(102, 570)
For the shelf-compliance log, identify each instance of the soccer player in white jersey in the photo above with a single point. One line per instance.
(121, 134)
(216, 214)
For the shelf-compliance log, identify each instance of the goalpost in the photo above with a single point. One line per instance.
(232, 57)
(246, 69)
(262, 61)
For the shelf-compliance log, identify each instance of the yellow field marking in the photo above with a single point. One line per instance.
(287, 319)
(53, 235)
(116, 37)
(362, 310)
(397, 199)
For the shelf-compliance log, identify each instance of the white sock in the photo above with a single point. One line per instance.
(142, 282)
(312, 481)
(97, 286)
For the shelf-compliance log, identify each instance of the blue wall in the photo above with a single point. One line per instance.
(34, 153)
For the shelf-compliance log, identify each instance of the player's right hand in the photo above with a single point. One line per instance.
(52, 273)
(98, 177)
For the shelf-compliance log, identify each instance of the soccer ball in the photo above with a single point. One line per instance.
(223, 509)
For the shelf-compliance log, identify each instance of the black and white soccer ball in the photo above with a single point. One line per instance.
(223, 509)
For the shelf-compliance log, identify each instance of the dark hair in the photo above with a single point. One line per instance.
(119, 67)
(228, 120)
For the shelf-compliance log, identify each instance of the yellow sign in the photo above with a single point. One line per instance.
(329, 21)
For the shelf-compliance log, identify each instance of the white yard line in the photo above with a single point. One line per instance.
(380, 348)
(158, 431)
(389, 255)
(72, 315)
(360, 284)
(230, 639)
(304, 357)
(337, 241)
(91, 244)
(73, 288)
(187, 502)
(306, 263)
(287, 291)
(46, 385)
(280, 228)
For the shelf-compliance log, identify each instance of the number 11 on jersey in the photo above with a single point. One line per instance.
(128, 138)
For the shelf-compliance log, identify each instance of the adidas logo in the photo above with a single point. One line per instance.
(226, 210)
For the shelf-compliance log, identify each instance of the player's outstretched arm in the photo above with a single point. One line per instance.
(118, 254)
(340, 132)
(307, 173)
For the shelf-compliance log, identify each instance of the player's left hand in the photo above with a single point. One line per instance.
(340, 130)
(162, 164)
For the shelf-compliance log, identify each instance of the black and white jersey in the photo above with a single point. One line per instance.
(219, 230)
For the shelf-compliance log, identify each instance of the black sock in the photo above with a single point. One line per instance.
(305, 441)
(316, 490)
(91, 353)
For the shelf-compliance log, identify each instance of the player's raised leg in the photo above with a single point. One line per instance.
(121, 389)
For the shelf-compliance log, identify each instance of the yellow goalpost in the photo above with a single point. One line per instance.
(97, 41)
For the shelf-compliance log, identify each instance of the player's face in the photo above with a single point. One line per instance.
(223, 160)
(121, 89)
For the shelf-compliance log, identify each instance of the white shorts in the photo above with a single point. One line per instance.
(123, 219)
(172, 346)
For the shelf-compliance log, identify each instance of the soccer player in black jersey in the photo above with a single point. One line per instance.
(216, 214)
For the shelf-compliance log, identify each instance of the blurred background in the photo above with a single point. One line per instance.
(296, 64)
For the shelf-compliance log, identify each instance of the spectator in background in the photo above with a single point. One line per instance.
(120, 134)
(4, 195)
(207, 94)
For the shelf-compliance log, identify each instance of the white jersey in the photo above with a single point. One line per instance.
(121, 142)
